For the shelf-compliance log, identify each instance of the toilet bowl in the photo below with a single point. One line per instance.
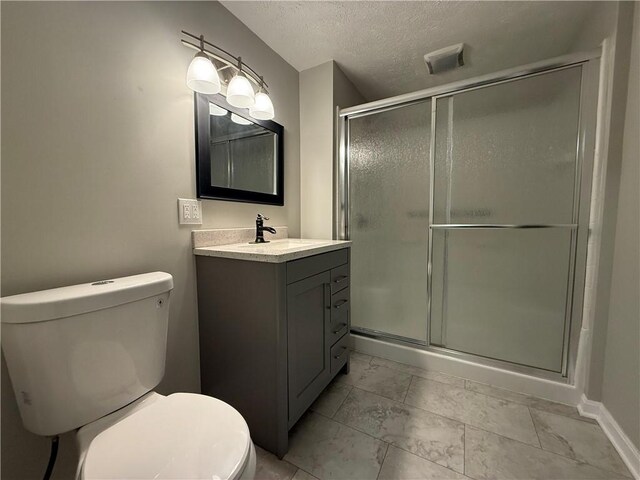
(182, 436)
(86, 358)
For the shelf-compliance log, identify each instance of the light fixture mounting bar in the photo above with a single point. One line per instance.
(249, 72)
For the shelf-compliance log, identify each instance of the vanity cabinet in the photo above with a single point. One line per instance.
(272, 336)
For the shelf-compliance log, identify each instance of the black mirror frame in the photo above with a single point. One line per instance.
(203, 152)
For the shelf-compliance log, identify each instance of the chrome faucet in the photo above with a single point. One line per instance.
(260, 228)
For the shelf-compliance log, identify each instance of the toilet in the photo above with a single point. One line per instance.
(86, 358)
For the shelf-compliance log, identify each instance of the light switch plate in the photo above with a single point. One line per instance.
(189, 211)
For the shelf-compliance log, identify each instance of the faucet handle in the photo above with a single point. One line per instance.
(262, 217)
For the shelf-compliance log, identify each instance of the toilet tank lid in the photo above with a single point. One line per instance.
(87, 297)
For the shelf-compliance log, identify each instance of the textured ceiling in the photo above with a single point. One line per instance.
(380, 45)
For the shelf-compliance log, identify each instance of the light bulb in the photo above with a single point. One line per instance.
(240, 92)
(202, 76)
(263, 108)
(216, 110)
(239, 120)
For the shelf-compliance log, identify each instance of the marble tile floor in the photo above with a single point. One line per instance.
(390, 421)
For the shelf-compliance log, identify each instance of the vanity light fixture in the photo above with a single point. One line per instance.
(216, 110)
(239, 120)
(262, 109)
(240, 92)
(203, 75)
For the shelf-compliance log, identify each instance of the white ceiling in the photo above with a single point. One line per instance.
(380, 45)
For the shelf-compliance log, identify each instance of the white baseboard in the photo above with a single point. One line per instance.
(627, 450)
(514, 381)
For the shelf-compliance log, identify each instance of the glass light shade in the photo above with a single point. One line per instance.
(202, 76)
(240, 92)
(263, 108)
(239, 120)
(216, 110)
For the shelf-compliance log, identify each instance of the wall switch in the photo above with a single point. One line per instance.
(189, 211)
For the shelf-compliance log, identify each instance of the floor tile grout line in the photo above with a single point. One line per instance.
(308, 473)
(384, 457)
(342, 402)
(534, 427)
(464, 449)
(407, 392)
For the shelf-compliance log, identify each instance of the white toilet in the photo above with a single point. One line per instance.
(89, 356)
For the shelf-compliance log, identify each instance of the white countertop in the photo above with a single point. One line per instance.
(276, 251)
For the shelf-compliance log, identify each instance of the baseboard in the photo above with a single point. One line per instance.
(627, 450)
(510, 380)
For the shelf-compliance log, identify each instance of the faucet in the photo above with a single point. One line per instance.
(260, 228)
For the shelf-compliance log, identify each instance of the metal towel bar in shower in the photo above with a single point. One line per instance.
(449, 226)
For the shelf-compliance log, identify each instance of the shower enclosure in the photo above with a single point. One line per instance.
(468, 209)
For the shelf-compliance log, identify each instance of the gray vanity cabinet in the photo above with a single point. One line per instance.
(309, 363)
(272, 336)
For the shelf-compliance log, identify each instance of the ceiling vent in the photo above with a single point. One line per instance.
(446, 58)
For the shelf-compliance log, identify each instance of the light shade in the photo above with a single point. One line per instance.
(263, 108)
(240, 92)
(239, 120)
(216, 110)
(202, 76)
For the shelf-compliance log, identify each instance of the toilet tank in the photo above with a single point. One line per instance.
(77, 353)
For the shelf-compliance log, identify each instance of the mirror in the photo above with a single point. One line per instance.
(238, 157)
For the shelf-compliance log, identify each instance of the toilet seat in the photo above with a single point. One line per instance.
(182, 436)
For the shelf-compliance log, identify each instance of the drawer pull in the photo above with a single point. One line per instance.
(344, 349)
(340, 327)
(341, 278)
(341, 303)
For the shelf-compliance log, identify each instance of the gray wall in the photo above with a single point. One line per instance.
(322, 89)
(621, 35)
(98, 143)
(316, 151)
(621, 385)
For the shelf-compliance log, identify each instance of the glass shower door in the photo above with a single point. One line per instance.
(504, 219)
(389, 220)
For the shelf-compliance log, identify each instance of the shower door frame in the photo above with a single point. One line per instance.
(589, 61)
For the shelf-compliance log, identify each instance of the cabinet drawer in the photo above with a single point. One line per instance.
(340, 278)
(339, 354)
(306, 267)
(339, 315)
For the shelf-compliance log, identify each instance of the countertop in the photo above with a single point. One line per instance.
(276, 251)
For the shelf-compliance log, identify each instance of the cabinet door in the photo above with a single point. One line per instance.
(308, 327)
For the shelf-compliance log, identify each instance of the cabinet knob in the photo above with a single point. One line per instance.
(344, 349)
(341, 303)
(340, 327)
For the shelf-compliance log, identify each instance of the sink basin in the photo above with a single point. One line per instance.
(284, 244)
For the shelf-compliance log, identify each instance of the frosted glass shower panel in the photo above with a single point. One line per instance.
(501, 293)
(507, 153)
(389, 220)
